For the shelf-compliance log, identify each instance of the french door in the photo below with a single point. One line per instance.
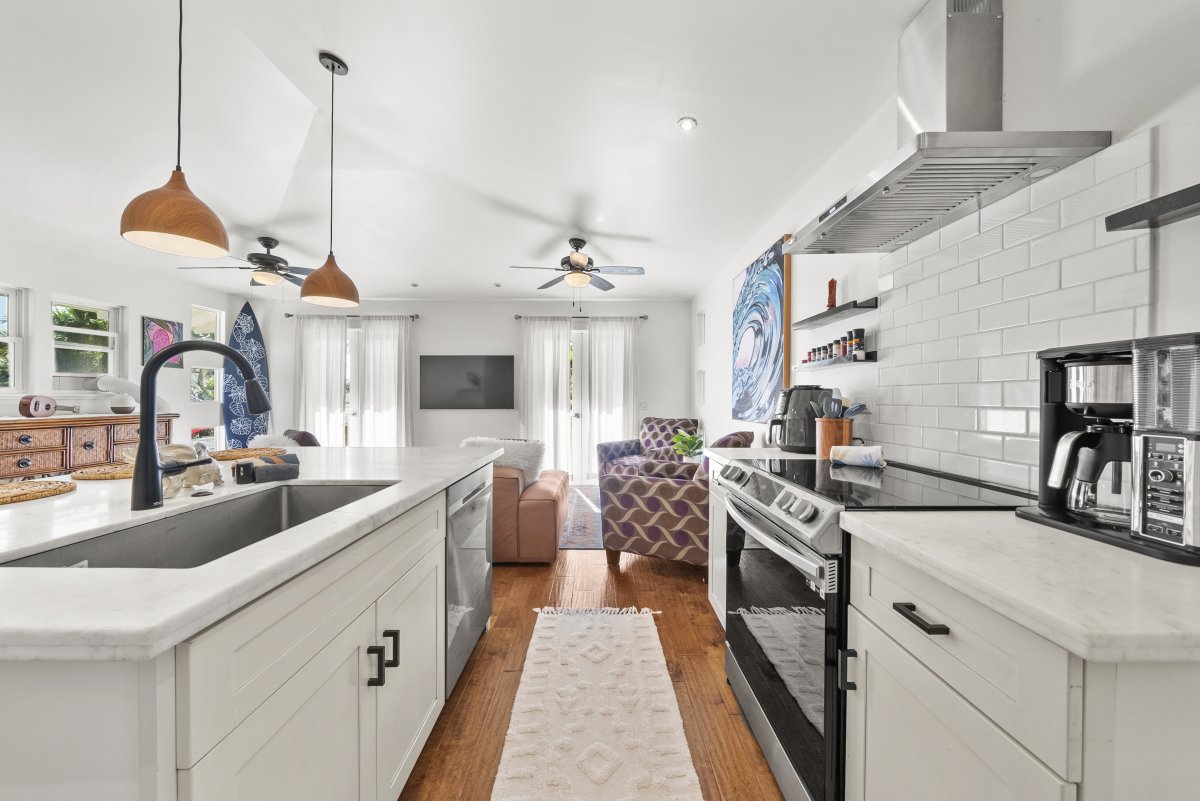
(583, 467)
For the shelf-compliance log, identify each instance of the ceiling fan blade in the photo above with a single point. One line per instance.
(518, 267)
(553, 281)
(611, 270)
(212, 267)
(300, 270)
(294, 279)
(600, 283)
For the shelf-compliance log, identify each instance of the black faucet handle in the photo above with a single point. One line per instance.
(175, 466)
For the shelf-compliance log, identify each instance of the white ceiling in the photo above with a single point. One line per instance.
(471, 135)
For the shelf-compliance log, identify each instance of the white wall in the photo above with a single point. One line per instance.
(1071, 64)
(488, 327)
(51, 263)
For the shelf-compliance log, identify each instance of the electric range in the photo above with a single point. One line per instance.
(787, 593)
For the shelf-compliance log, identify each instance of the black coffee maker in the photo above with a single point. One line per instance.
(793, 428)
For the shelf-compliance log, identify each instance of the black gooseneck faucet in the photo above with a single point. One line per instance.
(147, 471)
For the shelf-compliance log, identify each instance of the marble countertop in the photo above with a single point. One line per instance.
(135, 614)
(1098, 601)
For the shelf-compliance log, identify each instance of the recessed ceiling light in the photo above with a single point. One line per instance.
(1043, 172)
(497, 285)
(687, 123)
(414, 285)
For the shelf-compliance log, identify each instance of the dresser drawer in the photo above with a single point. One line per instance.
(1029, 686)
(90, 445)
(33, 439)
(128, 432)
(33, 463)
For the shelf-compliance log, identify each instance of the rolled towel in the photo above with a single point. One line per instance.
(857, 456)
(275, 472)
(283, 458)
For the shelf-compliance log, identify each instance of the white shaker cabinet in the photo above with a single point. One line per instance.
(910, 737)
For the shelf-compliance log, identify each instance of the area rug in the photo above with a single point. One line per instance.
(777, 630)
(595, 717)
(582, 530)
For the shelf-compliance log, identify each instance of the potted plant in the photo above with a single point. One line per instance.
(688, 446)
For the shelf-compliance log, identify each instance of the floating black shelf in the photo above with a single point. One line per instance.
(871, 356)
(846, 310)
(1157, 212)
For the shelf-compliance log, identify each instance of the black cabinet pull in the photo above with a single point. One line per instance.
(844, 656)
(25, 439)
(89, 445)
(394, 636)
(379, 678)
(23, 463)
(908, 611)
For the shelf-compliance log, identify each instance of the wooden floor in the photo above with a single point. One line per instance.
(460, 761)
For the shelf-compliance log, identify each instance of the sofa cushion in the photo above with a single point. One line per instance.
(552, 485)
(524, 454)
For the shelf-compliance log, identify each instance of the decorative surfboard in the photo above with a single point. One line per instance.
(247, 339)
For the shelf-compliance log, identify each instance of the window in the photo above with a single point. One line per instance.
(208, 323)
(206, 436)
(85, 338)
(11, 362)
(206, 384)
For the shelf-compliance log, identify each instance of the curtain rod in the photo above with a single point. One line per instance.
(587, 317)
(358, 316)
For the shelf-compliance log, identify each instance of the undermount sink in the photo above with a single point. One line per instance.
(199, 536)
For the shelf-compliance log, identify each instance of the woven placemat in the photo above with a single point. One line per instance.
(245, 453)
(103, 472)
(18, 491)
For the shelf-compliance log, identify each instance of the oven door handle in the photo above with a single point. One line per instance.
(753, 524)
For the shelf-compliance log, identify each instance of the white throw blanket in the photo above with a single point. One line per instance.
(777, 630)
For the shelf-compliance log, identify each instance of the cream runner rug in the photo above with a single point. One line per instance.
(595, 717)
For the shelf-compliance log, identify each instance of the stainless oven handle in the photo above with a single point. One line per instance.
(813, 570)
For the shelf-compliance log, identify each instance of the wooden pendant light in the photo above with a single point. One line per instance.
(171, 219)
(328, 285)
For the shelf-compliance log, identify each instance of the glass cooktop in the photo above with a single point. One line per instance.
(895, 487)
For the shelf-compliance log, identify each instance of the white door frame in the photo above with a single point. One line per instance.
(581, 462)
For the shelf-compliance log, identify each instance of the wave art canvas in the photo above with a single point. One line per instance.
(759, 336)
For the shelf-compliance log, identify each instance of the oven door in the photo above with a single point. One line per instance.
(783, 628)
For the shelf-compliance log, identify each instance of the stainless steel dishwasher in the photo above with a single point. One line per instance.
(468, 568)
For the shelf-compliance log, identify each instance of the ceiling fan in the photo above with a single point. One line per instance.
(578, 270)
(267, 269)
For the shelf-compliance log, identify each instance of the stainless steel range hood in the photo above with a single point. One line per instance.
(953, 160)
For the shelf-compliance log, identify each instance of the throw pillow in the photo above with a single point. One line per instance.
(523, 454)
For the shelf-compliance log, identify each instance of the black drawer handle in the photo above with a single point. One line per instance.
(379, 678)
(24, 463)
(844, 656)
(908, 611)
(394, 636)
(89, 446)
(25, 439)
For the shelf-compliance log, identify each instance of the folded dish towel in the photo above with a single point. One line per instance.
(275, 472)
(857, 456)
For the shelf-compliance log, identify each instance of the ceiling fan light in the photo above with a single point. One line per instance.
(329, 286)
(265, 278)
(578, 259)
(577, 279)
(170, 219)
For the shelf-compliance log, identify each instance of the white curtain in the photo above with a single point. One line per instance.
(321, 377)
(612, 411)
(384, 376)
(545, 386)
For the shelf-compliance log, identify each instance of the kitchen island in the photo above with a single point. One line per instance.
(303, 663)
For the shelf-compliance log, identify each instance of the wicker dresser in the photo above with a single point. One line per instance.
(47, 446)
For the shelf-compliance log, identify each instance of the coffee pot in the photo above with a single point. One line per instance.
(793, 428)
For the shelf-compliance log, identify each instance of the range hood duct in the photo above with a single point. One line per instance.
(953, 158)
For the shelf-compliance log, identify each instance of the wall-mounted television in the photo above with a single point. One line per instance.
(467, 382)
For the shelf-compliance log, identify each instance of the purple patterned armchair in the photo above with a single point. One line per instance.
(662, 511)
(625, 457)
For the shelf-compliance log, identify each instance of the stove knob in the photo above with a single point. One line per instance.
(805, 512)
(1159, 475)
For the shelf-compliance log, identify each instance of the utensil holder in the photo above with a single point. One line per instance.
(833, 431)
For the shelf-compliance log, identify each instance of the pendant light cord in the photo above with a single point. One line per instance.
(332, 83)
(179, 95)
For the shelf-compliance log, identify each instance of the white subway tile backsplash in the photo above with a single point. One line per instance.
(941, 439)
(1004, 368)
(1101, 263)
(942, 260)
(959, 277)
(907, 315)
(939, 350)
(922, 416)
(892, 415)
(960, 417)
(1077, 177)
(923, 289)
(1021, 394)
(959, 465)
(1027, 338)
(1006, 473)
(939, 395)
(1020, 449)
(987, 343)
(1002, 421)
(988, 446)
(923, 332)
(891, 337)
(940, 306)
(907, 435)
(1033, 281)
(980, 245)
(959, 371)
(1003, 263)
(1128, 154)
(907, 354)
(885, 283)
(1101, 327)
(890, 261)
(983, 394)
(1004, 315)
(907, 274)
(984, 294)
(1102, 198)
(1144, 251)
(894, 299)
(925, 246)
(1030, 226)
(922, 457)
(907, 395)
(1005, 209)
(1141, 322)
(1123, 292)
(957, 324)
(1061, 244)
(957, 231)
(1072, 302)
